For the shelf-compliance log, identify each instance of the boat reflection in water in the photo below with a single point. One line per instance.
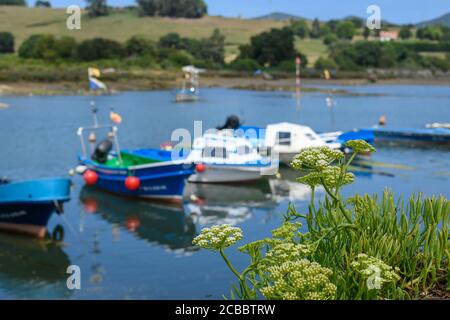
(162, 224)
(32, 269)
(232, 204)
(287, 188)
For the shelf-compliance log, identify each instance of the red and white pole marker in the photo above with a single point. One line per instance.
(298, 63)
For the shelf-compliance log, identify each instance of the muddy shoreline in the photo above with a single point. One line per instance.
(28, 88)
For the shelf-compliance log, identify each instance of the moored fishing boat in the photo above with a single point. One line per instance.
(226, 159)
(129, 173)
(26, 206)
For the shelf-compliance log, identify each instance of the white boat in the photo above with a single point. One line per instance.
(287, 139)
(227, 159)
(190, 91)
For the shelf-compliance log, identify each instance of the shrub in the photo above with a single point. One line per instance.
(248, 65)
(39, 46)
(345, 30)
(405, 32)
(66, 47)
(300, 28)
(42, 4)
(330, 39)
(99, 48)
(97, 8)
(13, 3)
(181, 58)
(6, 42)
(139, 45)
(325, 63)
(173, 8)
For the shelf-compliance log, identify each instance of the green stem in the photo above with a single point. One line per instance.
(237, 274)
(337, 201)
(222, 253)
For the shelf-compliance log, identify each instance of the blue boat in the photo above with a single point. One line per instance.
(154, 176)
(400, 135)
(26, 206)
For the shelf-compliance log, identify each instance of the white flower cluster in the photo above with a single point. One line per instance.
(316, 158)
(329, 176)
(359, 146)
(368, 266)
(287, 231)
(218, 237)
(287, 252)
(299, 280)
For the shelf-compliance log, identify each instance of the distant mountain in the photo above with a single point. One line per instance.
(279, 16)
(443, 20)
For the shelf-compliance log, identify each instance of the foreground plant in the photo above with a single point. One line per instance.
(356, 248)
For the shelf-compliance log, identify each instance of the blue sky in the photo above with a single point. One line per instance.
(399, 11)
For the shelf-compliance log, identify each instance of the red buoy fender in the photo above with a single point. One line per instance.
(132, 183)
(90, 177)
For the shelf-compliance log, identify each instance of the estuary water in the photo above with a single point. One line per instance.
(138, 250)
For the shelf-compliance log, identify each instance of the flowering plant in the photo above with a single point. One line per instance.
(356, 248)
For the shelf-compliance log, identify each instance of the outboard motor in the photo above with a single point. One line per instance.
(232, 122)
(102, 150)
(4, 180)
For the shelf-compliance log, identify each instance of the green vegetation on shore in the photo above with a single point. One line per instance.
(133, 45)
(357, 248)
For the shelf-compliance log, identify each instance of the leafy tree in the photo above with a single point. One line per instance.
(315, 29)
(357, 22)
(170, 40)
(99, 48)
(66, 47)
(330, 38)
(332, 24)
(325, 63)
(345, 30)
(173, 8)
(13, 3)
(213, 48)
(324, 30)
(139, 46)
(39, 46)
(209, 49)
(6, 42)
(42, 4)
(270, 47)
(366, 33)
(300, 28)
(97, 8)
(430, 33)
(405, 32)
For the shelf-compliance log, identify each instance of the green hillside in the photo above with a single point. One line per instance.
(122, 24)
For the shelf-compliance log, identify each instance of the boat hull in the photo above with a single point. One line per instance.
(226, 174)
(26, 207)
(183, 97)
(164, 182)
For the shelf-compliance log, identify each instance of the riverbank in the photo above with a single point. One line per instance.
(170, 80)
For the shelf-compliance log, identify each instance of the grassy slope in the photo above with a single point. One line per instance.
(23, 22)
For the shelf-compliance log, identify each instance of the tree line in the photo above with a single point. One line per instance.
(170, 50)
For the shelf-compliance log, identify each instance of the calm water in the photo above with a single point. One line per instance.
(135, 250)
